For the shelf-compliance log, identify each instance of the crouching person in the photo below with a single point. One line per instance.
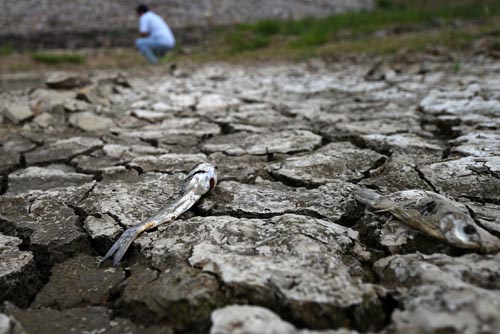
(156, 37)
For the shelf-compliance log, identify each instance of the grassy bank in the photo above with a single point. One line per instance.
(367, 31)
(58, 58)
(392, 26)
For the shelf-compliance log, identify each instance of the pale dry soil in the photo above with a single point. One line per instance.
(281, 245)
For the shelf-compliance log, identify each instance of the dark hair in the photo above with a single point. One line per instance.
(142, 9)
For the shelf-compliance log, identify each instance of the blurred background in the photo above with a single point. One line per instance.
(57, 34)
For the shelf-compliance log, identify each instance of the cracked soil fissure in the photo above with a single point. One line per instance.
(282, 231)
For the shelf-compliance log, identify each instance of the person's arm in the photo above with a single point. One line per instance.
(143, 27)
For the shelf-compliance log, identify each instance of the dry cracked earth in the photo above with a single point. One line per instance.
(281, 245)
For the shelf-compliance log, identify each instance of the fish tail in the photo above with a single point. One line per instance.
(122, 244)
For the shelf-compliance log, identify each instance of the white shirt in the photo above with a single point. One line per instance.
(156, 27)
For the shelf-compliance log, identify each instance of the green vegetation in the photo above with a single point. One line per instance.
(6, 50)
(393, 43)
(389, 14)
(58, 58)
(238, 41)
(496, 45)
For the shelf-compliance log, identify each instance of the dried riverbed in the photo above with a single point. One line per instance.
(281, 245)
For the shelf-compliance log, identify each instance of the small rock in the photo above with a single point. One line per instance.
(112, 155)
(119, 173)
(375, 126)
(141, 104)
(456, 102)
(152, 116)
(44, 120)
(88, 121)
(18, 276)
(89, 94)
(43, 178)
(183, 101)
(131, 151)
(291, 141)
(163, 107)
(17, 143)
(172, 163)
(243, 168)
(341, 161)
(11, 150)
(121, 79)
(17, 113)
(246, 319)
(478, 144)
(399, 172)
(66, 81)
(211, 102)
(51, 101)
(394, 95)
(404, 144)
(104, 227)
(62, 149)
(74, 106)
(259, 117)
(466, 177)
(185, 131)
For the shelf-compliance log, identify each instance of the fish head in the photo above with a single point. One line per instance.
(461, 230)
(211, 171)
(203, 176)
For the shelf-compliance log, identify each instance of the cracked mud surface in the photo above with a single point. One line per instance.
(281, 245)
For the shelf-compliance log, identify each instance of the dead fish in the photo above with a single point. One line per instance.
(197, 183)
(434, 215)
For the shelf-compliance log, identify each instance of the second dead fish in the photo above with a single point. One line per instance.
(434, 215)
